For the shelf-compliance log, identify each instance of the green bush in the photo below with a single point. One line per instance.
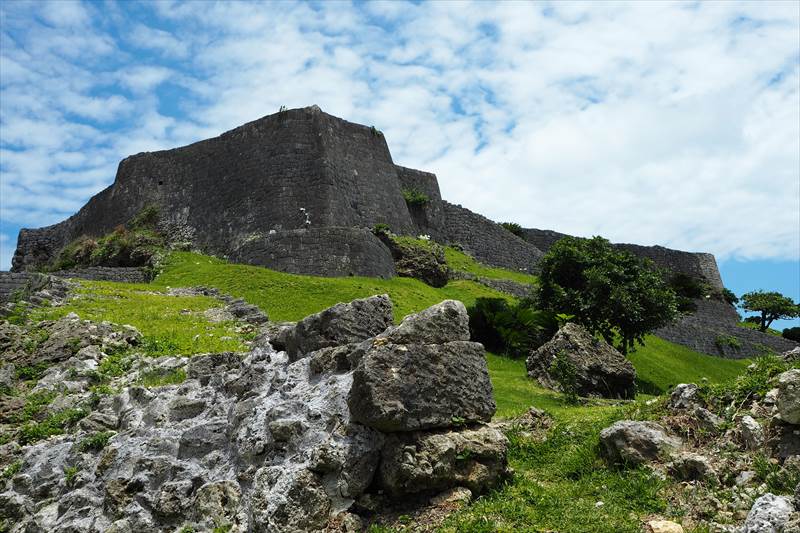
(415, 197)
(381, 229)
(146, 218)
(729, 341)
(54, 424)
(513, 227)
(729, 296)
(754, 382)
(510, 329)
(95, 442)
(793, 334)
(565, 373)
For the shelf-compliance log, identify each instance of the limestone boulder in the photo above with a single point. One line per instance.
(769, 514)
(684, 396)
(409, 387)
(691, 467)
(600, 369)
(440, 323)
(433, 461)
(422, 261)
(788, 400)
(751, 433)
(341, 324)
(634, 442)
(663, 526)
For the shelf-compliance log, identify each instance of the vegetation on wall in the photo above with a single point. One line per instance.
(513, 227)
(415, 197)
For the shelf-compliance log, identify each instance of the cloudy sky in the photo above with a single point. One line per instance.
(674, 123)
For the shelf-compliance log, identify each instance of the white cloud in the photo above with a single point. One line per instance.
(650, 122)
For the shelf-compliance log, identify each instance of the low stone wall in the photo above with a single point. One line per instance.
(98, 273)
(329, 251)
(487, 241)
(710, 329)
(515, 289)
(12, 283)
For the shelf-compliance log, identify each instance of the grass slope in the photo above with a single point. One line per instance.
(464, 263)
(169, 324)
(292, 297)
(661, 365)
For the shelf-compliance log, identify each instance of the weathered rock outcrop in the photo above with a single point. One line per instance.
(258, 441)
(633, 442)
(600, 369)
(788, 400)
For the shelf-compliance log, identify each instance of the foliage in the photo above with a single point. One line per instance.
(55, 424)
(415, 197)
(31, 372)
(729, 296)
(95, 442)
(793, 334)
(754, 382)
(11, 470)
(564, 372)
(146, 218)
(609, 291)
(513, 227)
(69, 474)
(771, 306)
(381, 228)
(158, 378)
(722, 341)
(511, 329)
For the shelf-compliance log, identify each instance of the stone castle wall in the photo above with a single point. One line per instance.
(98, 273)
(334, 251)
(487, 241)
(710, 328)
(13, 283)
(697, 265)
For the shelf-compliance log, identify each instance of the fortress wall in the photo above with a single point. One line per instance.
(698, 265)
(12, 283)
(244, 183)
(332, 252)
(706, 330)
(424, 182)
(487, 241)
(362, 179)
(97, 273)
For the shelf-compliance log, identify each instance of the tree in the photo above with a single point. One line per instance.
(610, 292)
(771, 306)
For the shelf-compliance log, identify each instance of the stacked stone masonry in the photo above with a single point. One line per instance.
(119, 274)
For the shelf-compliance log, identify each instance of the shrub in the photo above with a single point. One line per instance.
(756, 381)
(69, 474)
(513, 227)
(611, 292)
(512, 330)
(54, 424)
(565, 373)
(722, 341)
(415, 197)
(381, 229)
(793, 334)
(729, 296)
(146, 218)
(95, 442)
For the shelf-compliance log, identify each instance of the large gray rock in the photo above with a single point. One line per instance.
(408, 387)
(634, 442)
(684, 396)
(341, 324)
(600, 369)
(769, 514)
(434, 461)
(444, 322)
(788, 401)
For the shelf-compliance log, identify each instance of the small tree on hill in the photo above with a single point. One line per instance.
(771, 306)
(611, 292)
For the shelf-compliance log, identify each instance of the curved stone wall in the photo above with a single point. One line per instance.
(333, 252)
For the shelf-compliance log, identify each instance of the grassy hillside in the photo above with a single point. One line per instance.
(291, 297)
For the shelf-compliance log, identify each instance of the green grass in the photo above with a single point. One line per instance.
(661, 365)
(292, 297)
(156, 378)
(750, 325)
(169, 324)
(464, 263)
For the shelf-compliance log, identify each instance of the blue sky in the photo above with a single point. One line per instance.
(674, 123)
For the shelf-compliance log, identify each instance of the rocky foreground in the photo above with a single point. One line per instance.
(321, 424)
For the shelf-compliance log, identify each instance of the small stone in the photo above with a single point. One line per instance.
(691, 466)
(769, 514)
(745, 478)
(664, 526)
(752, 434)
(684, 396)
(788, 400)
(457, 496)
